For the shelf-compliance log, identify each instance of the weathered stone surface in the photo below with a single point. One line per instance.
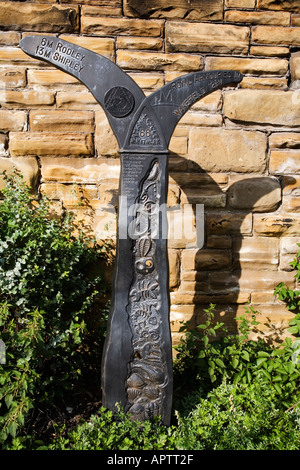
(261, 253)
(289, 5)
(26, 98)
(12, 120)
(73, 100)
(270, 51)
(71, 194)
(240, 3)
(45, 143)
(276, 225)
(255, 194)
(98, 8)
(102, 46)
(289, 249)
(258, 17)
(295, 20)
(208, 197)
(15, 56)
(136, 60)
(295, 66)
(279, 35)
(52, 79)
(79, 170)
(249, 280)
(98, 26)
(27, 166)
(206, 260)
(284, 140)
(228, 150)
(210, 10)
(38, 17)
(204, 37)
(151, 44)
(291, 185)
(272, 107)
(174, 268)
(3, 145)
(12, 78)
(227, 223)
(259, 83)
(9, 38)
(246, 65)
(284, 162)
(55, 120)
(105, 140)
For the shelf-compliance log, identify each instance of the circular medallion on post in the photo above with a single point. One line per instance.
(119, 101)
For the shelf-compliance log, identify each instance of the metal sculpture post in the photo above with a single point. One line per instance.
(137, 358)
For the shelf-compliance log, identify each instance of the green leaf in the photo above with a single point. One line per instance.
(8, 400)
(260, 360)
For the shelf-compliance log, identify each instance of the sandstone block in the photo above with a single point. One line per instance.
(261, 253)
(148, 81)
(204, 37)
(274, 107)
(38, 17)
(190, 10)
(259, 83)
(27, 166)
(284, 162)
(72, 194)
(26, 98)
(79, 170)
(209, 198)
(227, 223)
(55, 120)
(100, 8)
(174, 268)
(136, 60)
(295, 20)
(270, 51)
(151, 44)
(277, 35)
(291, 185)
(291, 204)
(72, 100)
(228, 150)
(284, 140)
(245, 65)
(295, 66)
(249, 280)
(15, 78)
(94, 25)
(12, 120)
(255, 194)
(13, 55)
(206, 260)
(45, 143)
(3, 145)
(105, 140)
(240, 3)
(258, 17)
(102, 46)
(276, 225)
(289, 5)
(54, 79)
(9, 38)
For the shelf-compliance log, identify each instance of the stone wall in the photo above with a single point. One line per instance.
(237, 151)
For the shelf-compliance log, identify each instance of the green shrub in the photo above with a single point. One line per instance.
(47, 284)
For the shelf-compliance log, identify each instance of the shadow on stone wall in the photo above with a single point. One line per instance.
(214, 273)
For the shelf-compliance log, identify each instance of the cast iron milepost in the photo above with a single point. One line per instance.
(137, 357)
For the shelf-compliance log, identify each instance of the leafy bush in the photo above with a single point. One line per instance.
(47, 285)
